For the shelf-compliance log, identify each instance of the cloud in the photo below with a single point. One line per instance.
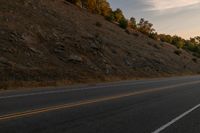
(162, 5)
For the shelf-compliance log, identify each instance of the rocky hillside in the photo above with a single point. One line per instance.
(52, 42)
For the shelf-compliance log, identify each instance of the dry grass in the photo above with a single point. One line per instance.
(49, 43)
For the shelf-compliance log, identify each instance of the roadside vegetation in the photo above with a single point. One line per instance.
(103, 8)
(57, 43)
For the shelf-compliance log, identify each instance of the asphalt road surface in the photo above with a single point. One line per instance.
(168, 105)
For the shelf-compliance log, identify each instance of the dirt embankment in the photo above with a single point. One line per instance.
(51, 42)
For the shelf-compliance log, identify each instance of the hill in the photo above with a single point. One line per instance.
(52, 42)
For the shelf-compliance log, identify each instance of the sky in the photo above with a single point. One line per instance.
(174, 17)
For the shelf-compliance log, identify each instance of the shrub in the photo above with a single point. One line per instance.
(123, 23)
(110, 18)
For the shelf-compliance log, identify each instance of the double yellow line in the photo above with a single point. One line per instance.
(86, 102)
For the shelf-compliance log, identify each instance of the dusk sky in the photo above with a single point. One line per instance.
(180, 17)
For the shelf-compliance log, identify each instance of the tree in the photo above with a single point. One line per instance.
(154, 35)
(103, 8)
(165, 38)
(145, 27)
(118, 15)
(198, 39)
(178, 41)
(195, 40)
(92, 5)
(132, 23)
(96, 6)
(123, 23)
(111, 17)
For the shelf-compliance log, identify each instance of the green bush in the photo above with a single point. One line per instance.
(110, 17)
(123, 23)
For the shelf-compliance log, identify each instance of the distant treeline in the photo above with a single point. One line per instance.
(103, 8)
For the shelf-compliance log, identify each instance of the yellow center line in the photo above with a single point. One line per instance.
(86, 102)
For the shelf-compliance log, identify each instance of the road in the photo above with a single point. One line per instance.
(167, 105)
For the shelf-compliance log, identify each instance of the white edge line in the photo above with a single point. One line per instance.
(175, 119)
